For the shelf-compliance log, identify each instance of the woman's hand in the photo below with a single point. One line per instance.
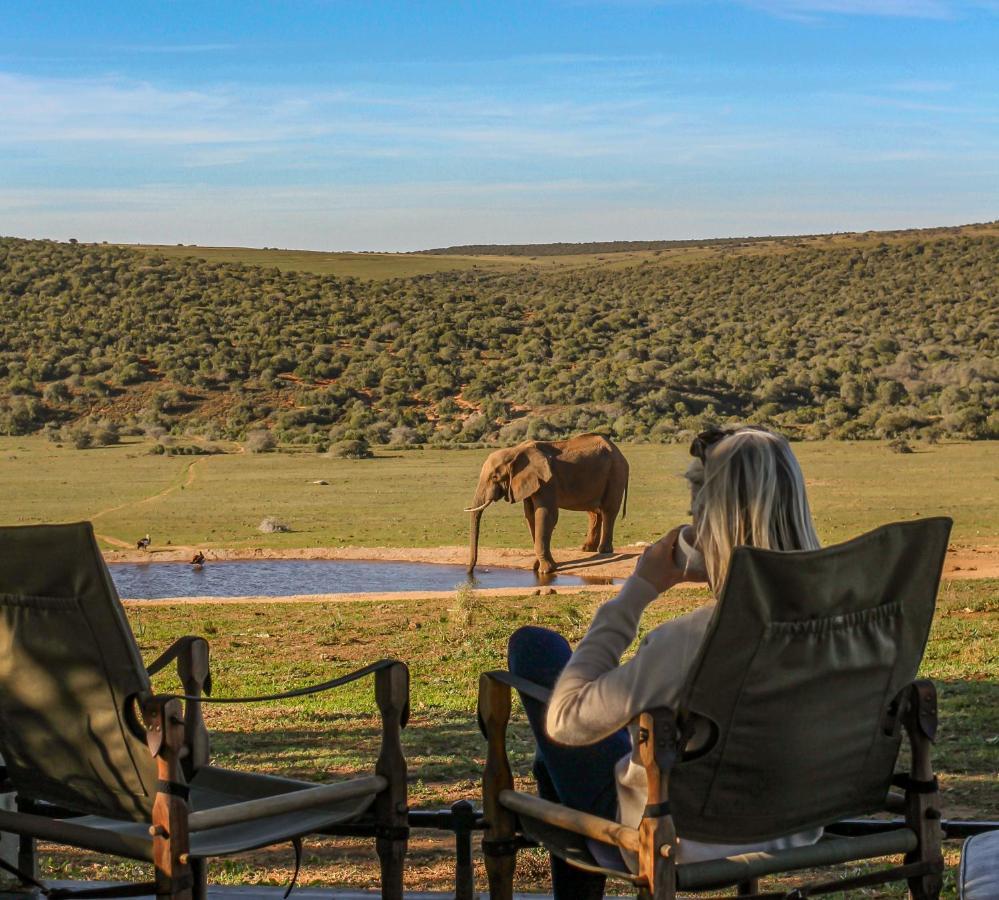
(657, 565)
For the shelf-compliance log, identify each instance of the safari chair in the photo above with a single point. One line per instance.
(803, 686)
(102, 762)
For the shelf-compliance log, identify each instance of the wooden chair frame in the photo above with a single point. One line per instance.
(178, 741)
(655, 841)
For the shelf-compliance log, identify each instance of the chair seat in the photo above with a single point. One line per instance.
(571, 847)
(212, 787)
(719, 873)
(716, 873)
(978, 878)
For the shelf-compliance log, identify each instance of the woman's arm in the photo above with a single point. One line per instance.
(596, 695)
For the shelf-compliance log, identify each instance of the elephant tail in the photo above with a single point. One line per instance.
(624, 508)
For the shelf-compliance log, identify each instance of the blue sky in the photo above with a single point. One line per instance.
(331, 124)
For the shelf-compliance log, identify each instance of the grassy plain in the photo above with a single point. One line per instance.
(377, 266)
(414, 498)
(403, 265)
(263, 648)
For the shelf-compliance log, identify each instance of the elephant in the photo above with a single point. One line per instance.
(586, 473)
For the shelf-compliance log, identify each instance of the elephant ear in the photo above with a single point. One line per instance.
(530, 469)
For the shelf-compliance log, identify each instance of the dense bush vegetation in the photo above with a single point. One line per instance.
(891, 340)
(572, 249)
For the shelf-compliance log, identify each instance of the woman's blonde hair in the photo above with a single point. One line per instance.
(752, 493)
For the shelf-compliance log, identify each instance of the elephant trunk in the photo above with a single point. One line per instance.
(474, 538)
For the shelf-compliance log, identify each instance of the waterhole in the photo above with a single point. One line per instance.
(284, 577)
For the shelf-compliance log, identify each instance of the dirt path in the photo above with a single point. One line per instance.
(187, 474)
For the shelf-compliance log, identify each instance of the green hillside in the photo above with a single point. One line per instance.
(851, 338)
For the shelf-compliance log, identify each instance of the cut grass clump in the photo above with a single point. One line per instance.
(271, 525)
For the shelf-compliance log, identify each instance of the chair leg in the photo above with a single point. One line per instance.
(171, 860)
(199, 879)
(392, 856)
(463, 820)
(500, 871)
(391, 805)
(26, 858)
(922, 801)
(499, 840)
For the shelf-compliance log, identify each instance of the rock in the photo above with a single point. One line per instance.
(321, 481)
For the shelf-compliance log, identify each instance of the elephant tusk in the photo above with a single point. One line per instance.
(477, 508)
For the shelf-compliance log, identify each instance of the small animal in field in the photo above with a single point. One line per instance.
(586, 473)
(143, 543)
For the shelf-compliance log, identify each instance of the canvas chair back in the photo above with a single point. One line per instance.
(69, 672)
(797, 675)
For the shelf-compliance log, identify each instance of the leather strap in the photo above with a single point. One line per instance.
(297, 844)
(174, 789)
(297, 692)
(914, 785)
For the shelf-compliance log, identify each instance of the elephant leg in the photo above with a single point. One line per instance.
(610, 506)
(607, 531)
(593, 532)
(544, 524)
(529, 515)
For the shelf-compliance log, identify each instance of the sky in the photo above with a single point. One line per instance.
(341, 125)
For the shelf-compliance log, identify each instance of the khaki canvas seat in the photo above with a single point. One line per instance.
(800, 694)
(100, 761)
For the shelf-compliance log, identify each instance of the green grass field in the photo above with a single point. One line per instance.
(264, 648)
(415, 498)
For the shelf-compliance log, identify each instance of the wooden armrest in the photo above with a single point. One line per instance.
(192, 655)
(523, 685)
(293, 801)
(586, 824)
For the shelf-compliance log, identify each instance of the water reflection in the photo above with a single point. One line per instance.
(283, 577)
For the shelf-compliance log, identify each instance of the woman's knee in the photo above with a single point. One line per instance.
(537, 653)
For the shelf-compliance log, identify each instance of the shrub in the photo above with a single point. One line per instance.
(79, 436)
(260, 441)
(356, 449)
(105, 434)
(403, 436)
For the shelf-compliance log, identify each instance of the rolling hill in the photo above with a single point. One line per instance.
(849, 336)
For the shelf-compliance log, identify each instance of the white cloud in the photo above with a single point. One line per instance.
(226, 126)
(418, 216)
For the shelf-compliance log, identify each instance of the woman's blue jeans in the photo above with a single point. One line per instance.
(579, 777)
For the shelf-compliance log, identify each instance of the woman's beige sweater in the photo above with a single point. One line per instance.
(597, 694)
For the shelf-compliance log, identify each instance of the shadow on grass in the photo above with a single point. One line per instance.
(597, 559)
(436, 751)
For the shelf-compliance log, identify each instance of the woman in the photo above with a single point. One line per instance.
(747, 489)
